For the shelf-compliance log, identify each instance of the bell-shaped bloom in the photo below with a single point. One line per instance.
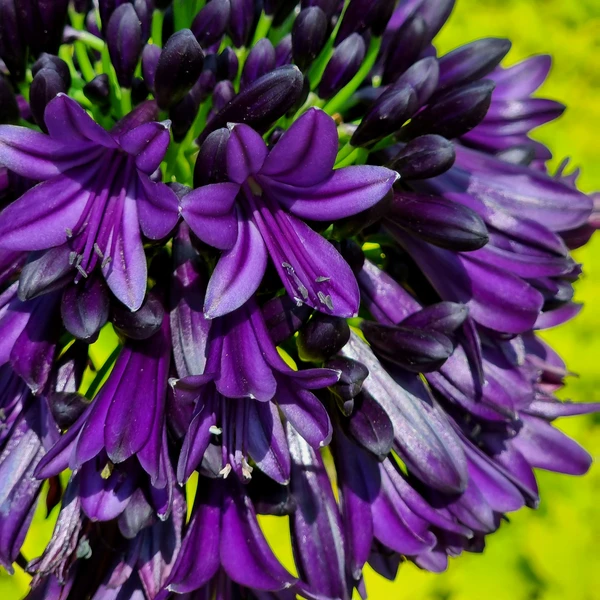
(96, 197)
(274, 190)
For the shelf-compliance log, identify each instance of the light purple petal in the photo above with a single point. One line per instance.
(345, 192)
(238, 272)
(305, 154)
(209, 212)
(157, 206)
(148, 143)
(246, 152)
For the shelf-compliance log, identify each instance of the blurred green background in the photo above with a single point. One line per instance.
(552, 553)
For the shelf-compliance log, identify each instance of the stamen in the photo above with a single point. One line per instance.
(69, 232)
(329, 302)
(98, 251)
(303, 291)
(224, 472)
(105, 262)
(246, 469)
(72, 257)
(107, 470)
(298, 302)
(321, 279)
(215, 430)
(81, 271)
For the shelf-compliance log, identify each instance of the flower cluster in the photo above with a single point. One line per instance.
(325, 251)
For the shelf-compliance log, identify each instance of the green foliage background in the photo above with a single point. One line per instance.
(552, 553)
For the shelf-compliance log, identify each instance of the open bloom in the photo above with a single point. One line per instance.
(256, 215)
(96, 197)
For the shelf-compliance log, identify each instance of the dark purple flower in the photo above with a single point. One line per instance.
(274, 188)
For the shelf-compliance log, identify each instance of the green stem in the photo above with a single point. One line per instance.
(64, 52)
(95, 43)
(170, 160)
(348, 159)
(180, 14)
(114, 88)
(102, 373)
(158, 18)
(125, 101)
(344, 153)
(337, 102)
(87, 70)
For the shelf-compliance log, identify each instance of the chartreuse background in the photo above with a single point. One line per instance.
(552, 553)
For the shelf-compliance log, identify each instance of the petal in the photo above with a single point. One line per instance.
(345, 192)
(40, 218)
(305, 154)
(246, 152)
(148, 143)
(157, 206)
(39, 157)
(238, 272)
(68, 122)
(126, 273)
(209, 212)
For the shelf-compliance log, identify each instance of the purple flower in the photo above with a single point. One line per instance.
(273, 188)
(96, 197)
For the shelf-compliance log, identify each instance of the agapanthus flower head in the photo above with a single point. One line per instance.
(284, 259)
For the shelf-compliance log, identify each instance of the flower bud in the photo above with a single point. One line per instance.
(391, 110)
(284, 317)
(260, 61)
(445, 317)
(353, 374)
(211, 163)
(455, 113)
(150, 56)
(309, 35)
(471, 62)
(143, 9)
(364, 14)
(9, 109)
(412, 349)
(222, 94)
(439, 221)
(423, 77)
(405, 46)
(424, 157)
(283, 51)
(12, 45)
(97, 90)
(370, 425)
(211, 22)
(84, 308)
(125, 42)
(227, 64)
(178, 68)
(342, 66)
(44, 272)
(281, 10)
(241, 21)
(435, 14)
(141, 324)
(49, 61)
(329, 7)
(321, 337)
(42, 23)
(182, 116)
(262, 102)
(45, 86)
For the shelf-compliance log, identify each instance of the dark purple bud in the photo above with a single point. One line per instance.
(270, 497)
(178, 69)
(49, 61)
(227, 64)
(241, 21)
(342, 66)
(329, 7)
(370, 426)
(150, 56)
(44, 87)
(139, 90)
(12, 45)
(445, 317)
(411, 349)
(282, 10)
(353, 373)
(322, 337)
(390, 111)
(352, 254)
(44, 272)
(284, 317)
(42, 23)
(211, 163)
(261, 103)
(67, 407)
(309, 35)
(364, 14)
(84, 308)
(9, 109)
(471, 62)
(455, 113)
(260, 61)
(97, 90)
(182, 116)
(439, 221)
(125, 42)
(91, 24)
(423, 76)
(350, 226)
(435, 14)
(143, 323)
(405, 47)
(223, 94)
(283, 51)
(424, 157)
(106, 9)
(143, 9)
(211, 22)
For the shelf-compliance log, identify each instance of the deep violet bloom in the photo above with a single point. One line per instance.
(314, 294)
(96, 198)
(274, 190)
